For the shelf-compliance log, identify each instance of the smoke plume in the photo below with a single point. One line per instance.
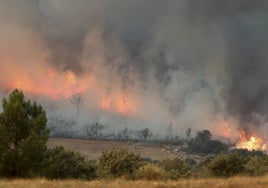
(140, 63)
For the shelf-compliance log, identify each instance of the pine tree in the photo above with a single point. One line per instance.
(23, 136)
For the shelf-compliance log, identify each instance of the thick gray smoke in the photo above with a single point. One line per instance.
(196, 63)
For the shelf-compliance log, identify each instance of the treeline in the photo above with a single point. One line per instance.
(201, 143)
(23, 153)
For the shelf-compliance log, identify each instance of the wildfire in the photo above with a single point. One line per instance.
(49, 83)
(226, 130)
(106, 103)
(119, 104)
(252, 143)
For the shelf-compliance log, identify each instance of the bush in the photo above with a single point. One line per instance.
(62, 164)
(190, 162)
(150, 172)
(257, 166)
(246, 153)
(226, 165)
(117, 163)
(175, 168)
(201, 169)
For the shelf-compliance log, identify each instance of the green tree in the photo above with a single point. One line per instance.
(23, 136)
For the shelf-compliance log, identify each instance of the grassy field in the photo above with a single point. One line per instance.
(235, 182)
(93, 148)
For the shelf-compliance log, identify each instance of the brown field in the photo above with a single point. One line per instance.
(93, 148)
(235, 182)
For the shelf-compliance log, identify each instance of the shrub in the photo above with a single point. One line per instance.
(246, 153)
(175, 168)
(117, 163)
(257, 166)
(150, 172)
(62, 164)
(226, 165)
(190, 162)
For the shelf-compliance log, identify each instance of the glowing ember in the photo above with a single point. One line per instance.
(253, 143)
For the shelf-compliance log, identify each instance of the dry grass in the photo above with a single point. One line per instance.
(252, 182)
(93, 148)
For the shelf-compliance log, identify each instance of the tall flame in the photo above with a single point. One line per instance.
(44, 80)
(119, 103)
(252, 143)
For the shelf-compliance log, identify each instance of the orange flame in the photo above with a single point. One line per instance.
(252, 143)
(227, 130)
(125, 106)
(119, 104)
(52, 85)
(106, 103)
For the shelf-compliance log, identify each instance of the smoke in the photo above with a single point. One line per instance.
(198, 64)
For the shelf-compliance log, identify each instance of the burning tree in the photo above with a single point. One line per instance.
(78, 99)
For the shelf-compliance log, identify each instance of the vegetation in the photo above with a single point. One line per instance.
(23, 153)
(226, 165)
(150, 172)
(117, 163)
(256, 166)
(254, 182)
(94, 130)
(23, 137)
(203, 144)
(62, 164)
(175, 168)
(78, 99)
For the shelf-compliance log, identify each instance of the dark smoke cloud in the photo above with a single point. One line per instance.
(245, 25)
(203, 61)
